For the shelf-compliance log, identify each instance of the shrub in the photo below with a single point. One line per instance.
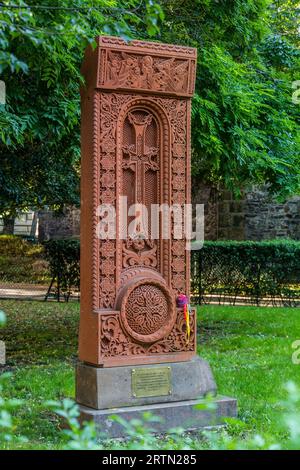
(21, 261)
(63, 256)
(253, 269)
(14, 245)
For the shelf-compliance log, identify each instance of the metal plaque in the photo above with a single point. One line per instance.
(151, 382)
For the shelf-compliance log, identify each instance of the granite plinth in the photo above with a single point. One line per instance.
(111, 387)
(184, 414)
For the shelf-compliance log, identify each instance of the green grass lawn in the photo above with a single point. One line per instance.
(249, 349)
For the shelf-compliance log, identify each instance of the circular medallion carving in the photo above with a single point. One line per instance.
(147, 310)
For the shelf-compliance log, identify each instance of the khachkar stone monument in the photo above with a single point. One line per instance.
(137, 345)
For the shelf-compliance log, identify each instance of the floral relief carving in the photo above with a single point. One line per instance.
(108, 248)
(178, 247)
(139, 252)
(106, 284)
(107, 163)
(108, 266)
(178, 150)
(115, 342)
(178, 182)
(178, 282)
(177, 264)
(107, 196)
(108, 145)
(108, 179)
(179, 197)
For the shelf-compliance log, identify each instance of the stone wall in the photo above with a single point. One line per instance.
(24, 224)
(231, 217)
(64, 225)
(257, 216)
(266, 219)
(254, 217)
(207, 195)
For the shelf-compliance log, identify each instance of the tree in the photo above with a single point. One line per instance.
(285, 16)
(42, 46)
(245, 127)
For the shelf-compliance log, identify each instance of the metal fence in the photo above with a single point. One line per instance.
(251, 280)
(236, 275)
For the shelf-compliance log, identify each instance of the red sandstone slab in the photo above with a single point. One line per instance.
(135, 143)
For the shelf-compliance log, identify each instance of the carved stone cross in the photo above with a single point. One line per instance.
(140, 156)
(135, 145)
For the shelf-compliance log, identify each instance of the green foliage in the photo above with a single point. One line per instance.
(7, 426)
(255, 269)
(245, 128)
(22, 261)
(279, 52)
(14, 246)
(285, 18)
(63, 256)
(41, 53)
(77, 437)
(139, 433)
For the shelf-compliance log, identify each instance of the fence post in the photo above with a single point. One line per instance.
(200, 276)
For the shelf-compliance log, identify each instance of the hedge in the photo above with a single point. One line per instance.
(227, 270)
(63, 256)
(220, 271)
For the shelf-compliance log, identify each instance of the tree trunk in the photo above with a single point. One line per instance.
(8, 225)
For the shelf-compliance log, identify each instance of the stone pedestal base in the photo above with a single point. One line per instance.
(111, 387)
(103, 392)
(183, 414)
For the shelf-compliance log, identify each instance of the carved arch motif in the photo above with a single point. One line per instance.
(171, 117)
(159, 251)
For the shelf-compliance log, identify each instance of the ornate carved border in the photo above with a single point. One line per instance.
(176, 110)
(110, 105)
(153, 46)
(116, 342)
